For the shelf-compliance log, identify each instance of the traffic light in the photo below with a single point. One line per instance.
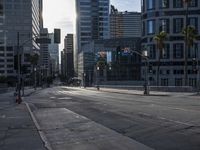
(194, 65)
(118, 53)
(57, 36)
(150, 69)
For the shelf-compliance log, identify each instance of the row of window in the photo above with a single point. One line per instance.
(178, 81)
(164, 25)
(151, 4)
(178, 50)
(174, 72)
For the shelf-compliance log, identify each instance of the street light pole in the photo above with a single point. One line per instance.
(97, 78)
(18, 100)
(35, 81)
(146, 84)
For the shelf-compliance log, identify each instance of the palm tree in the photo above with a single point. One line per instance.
(186, 2)
(190, 34)
(160, 38)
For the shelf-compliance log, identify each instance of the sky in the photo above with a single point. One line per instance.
(61, 14)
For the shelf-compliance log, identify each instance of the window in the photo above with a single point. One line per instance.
(1, 7)
(178, 3)
(164, 25)
(143, 6)
(192, 82)
(193, 51)
(150, 4)
(178, 82)
(193, 21)
(193, 3)
(164, 82)
(165, 53)
(178, 25)
(178, 50)
(151, 26)
(164, 3)
(143, 28)
(152, 52)
(9, 71)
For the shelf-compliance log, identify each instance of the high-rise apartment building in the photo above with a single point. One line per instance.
(170, 16)
(92, 22)
(23, 17)
(124, 24)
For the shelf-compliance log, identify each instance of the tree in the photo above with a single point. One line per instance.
(160, 38)
(34, 59)
(190, 34)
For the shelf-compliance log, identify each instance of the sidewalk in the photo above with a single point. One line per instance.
(132, 92)
(17, 130)
(141, 92)
(67, 130)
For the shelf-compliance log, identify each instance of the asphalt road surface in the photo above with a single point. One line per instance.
(159, 122)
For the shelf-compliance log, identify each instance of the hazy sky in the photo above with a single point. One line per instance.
(60, 13)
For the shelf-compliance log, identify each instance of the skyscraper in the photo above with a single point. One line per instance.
(92, 22)
(170, 16)
(54, 55)
(124, 24)
(23, 17)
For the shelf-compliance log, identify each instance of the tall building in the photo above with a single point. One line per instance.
(54, 55)
(124, 24)
(68, 56)
(170, 16)
(92, 22)
(21, 17)
(44, 52)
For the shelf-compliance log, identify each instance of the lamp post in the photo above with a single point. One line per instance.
(97, 69)
(84, 84)
(146, 87)
(18, 100)
(144, 55)
(35, 82)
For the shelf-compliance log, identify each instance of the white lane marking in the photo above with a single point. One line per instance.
(65, 98)
(52, 97)
(166, 119)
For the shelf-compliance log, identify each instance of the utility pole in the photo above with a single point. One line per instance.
(18, 100)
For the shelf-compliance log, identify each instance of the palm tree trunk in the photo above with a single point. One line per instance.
(158, 69)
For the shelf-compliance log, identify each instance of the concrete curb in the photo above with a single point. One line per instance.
(102, 90)
(41, 133)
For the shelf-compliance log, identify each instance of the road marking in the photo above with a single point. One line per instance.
(41, 133)
(65, 98)
(166, 119)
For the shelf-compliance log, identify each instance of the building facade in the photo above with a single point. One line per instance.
(92, 22)
(124, 24)
(120, 61)
(67, 63)
(44, 64)
(19, 21)
(54, 55)
(170, 16)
